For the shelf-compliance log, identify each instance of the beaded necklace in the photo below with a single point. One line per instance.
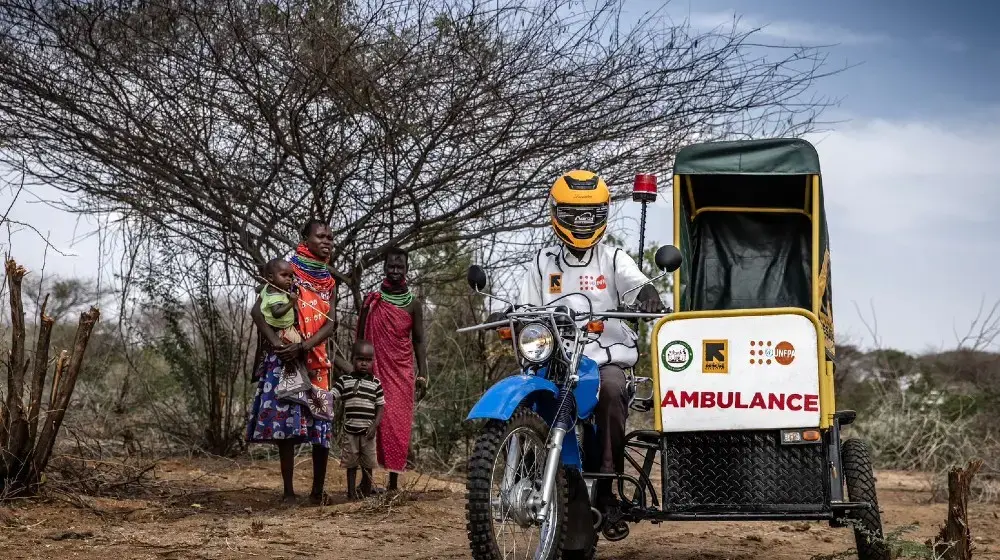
(399, 300)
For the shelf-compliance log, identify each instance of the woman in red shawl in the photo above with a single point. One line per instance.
(392, 319)
(288, 424)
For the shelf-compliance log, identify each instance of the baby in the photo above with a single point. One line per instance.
(277, 300)
(364, 403)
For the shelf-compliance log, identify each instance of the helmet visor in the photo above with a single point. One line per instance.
(582, 221)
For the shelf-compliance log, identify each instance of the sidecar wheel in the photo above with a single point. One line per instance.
(483, 494)
(860, 477)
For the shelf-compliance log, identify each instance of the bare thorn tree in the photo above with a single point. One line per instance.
(225, 124)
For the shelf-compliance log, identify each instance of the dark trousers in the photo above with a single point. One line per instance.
(604, 451)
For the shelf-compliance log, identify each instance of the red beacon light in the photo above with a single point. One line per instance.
(644, 189)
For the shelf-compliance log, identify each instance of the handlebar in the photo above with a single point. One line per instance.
(632, 315)
(615, 314)
(484, 326)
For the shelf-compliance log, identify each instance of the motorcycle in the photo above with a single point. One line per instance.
(526, 467)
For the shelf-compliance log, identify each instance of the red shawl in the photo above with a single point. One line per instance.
(388, 328)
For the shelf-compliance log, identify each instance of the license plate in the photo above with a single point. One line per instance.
(800, 437)
(791, 437)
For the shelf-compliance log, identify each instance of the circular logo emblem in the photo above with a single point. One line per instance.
(677, 355)
(784, 353)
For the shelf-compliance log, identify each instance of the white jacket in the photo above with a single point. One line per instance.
(602, 275)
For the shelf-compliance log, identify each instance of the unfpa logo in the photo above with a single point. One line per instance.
(784, 353)
(765, 352)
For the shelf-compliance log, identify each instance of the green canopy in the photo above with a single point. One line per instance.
(745, 226)
(769, 156)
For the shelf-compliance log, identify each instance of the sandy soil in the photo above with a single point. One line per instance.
(229, 510)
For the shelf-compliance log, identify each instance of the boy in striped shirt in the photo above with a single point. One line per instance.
(364, 402)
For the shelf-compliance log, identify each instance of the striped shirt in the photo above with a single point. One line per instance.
(361, 393)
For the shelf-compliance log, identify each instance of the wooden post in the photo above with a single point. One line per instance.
(63, 393)
(13, 420)
(38, 376)
(25, 447)
(14, 424)
(954, 542)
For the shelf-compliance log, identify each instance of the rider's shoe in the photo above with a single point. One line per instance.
(612, 526)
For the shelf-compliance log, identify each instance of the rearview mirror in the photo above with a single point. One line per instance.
(477, 278)
(668, 258)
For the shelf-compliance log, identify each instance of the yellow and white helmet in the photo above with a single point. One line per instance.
(579, 202)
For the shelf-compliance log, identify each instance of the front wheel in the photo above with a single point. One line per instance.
(860, 478)
(505, 479)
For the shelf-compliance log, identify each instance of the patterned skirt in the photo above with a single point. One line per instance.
(271, 421)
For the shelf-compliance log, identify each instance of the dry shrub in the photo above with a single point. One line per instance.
(905, 434)
(899, 547)
(124, 478)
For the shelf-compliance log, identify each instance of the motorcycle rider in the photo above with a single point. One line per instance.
(579, 202)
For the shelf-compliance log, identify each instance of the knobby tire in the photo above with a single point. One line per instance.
(860, 477)
(482, 540)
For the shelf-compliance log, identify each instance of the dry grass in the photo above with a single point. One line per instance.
(386, 502)
(116, 477)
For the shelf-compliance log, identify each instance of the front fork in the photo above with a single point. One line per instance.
(563, 423)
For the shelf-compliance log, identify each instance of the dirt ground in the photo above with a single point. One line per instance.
(214, 509)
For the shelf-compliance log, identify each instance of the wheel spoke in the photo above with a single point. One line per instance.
(518, 461)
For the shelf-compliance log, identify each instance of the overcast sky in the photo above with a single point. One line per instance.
(912, 189)
(912, 178)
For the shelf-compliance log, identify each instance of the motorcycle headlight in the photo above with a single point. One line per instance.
(536, 342)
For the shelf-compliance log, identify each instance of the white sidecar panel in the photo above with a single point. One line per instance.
(738, 373)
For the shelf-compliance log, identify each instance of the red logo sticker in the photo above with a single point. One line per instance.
(784, 353)
(602, 283)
